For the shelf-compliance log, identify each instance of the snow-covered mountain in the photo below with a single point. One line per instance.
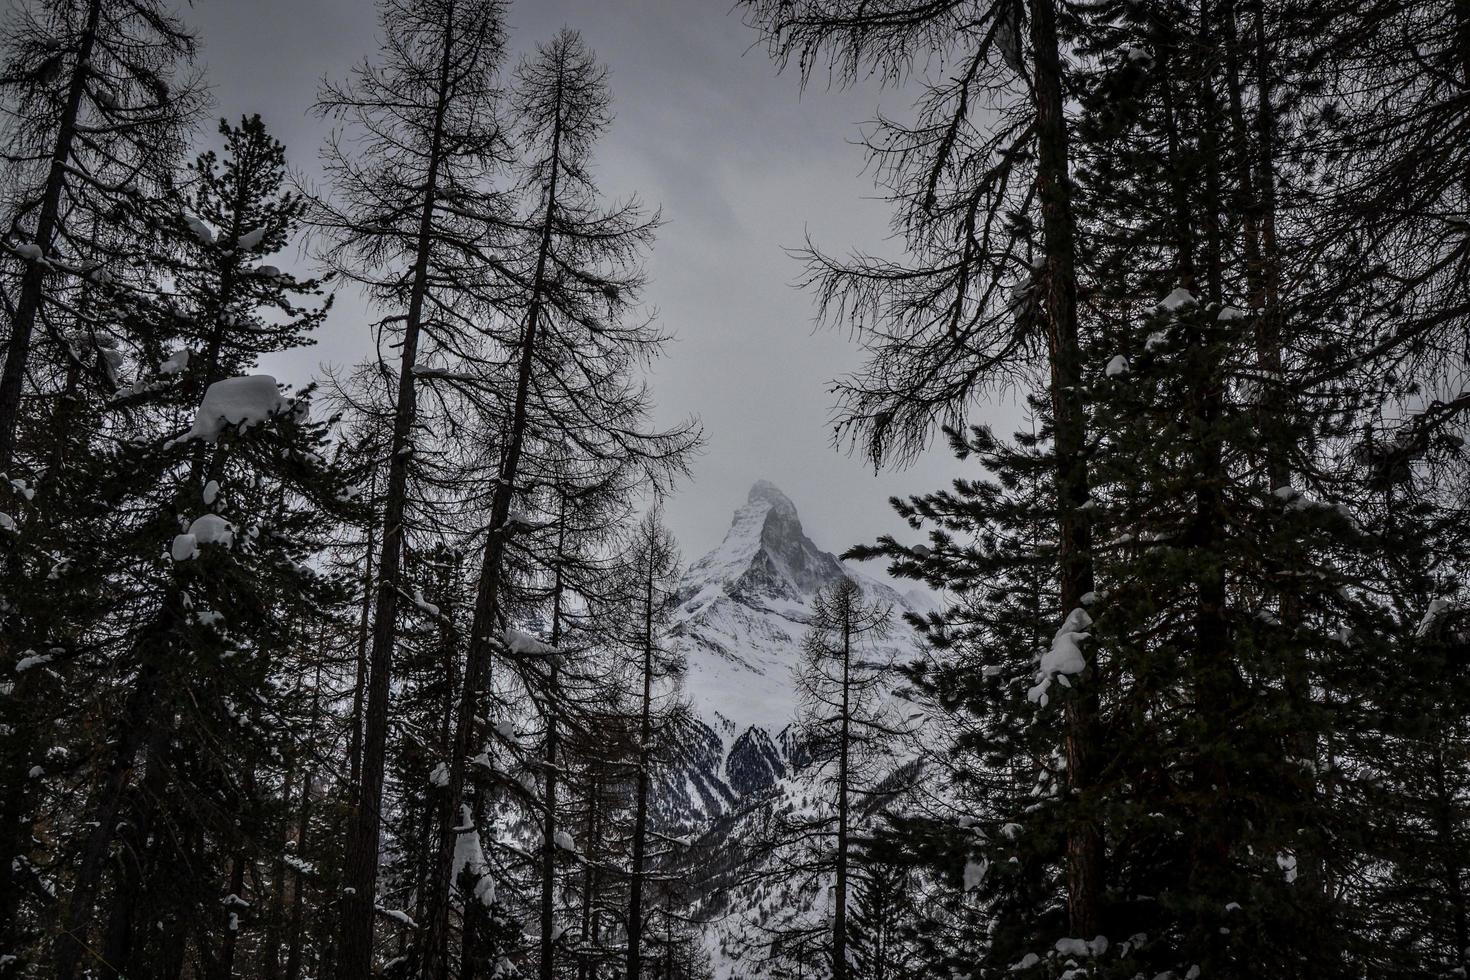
(742, 612)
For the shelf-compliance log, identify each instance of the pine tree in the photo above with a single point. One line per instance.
(882, 913)
(652, 564)
(991, 293)
(580, 709)
(844, 733)
(190, 601)
(1188, 615)
(98, 117)
(572, 337)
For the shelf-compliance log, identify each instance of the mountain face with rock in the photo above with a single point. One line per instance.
(741, 615)
(742, 611)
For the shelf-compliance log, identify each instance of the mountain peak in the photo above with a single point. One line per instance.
(764, 491)
(766, 553)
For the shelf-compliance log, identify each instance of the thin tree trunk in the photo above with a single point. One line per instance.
(1251, 209)
(420, 830)
(1212, 673)
(1277, 400)
(296, 929)
(359, 679)
(1453, 867)
(1269, 339)
(425, 851)
(1074, 537)
(232, 926)
(548, 843)
(361, 861)
(486, 614)
(271, 950)
(589, 880)
(548, 850)
(640, 803)
(839, 913)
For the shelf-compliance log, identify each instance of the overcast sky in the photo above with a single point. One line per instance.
(742, 164)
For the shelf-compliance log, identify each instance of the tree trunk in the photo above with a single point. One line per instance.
(117, 946)
(360, 870)
(232, 916)
(359, 679)
(589, 881)
(839, 916)
(133, 731)
(1212, 673)
(270, 951)
(1074, 537)
(140, 862)
(1446, 826)
(486, 614)
(296, 930)
(640, 803)
(548, 843)
(1278, 398)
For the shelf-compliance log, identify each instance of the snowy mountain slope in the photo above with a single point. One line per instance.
(745, 607)
(742, 612)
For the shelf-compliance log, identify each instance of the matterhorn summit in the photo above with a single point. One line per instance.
(766, 555)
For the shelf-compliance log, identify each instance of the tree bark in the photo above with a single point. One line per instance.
(359, 680)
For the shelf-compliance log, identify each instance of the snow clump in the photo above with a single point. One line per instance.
(244, 401)
(1178, 300)
(251, 239)
(524, 644)
(208, 529)
(1064, 657)
(200, 230)
(175, 363)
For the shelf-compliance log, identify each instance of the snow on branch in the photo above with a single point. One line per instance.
(241, 402)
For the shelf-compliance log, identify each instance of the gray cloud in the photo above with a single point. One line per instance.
(742, 164)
